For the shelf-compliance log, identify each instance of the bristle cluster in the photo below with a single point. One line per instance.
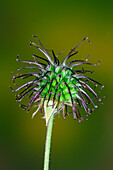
(55, 81)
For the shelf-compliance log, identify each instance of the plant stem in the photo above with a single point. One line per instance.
(48, 142)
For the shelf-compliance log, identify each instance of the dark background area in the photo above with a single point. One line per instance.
(60, 25)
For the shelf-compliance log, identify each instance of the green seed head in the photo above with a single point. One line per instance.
(58, 84)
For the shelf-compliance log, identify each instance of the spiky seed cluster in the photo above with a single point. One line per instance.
(58, 82)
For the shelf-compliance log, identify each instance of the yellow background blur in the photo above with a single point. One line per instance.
(60, 25)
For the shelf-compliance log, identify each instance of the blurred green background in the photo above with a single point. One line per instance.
(60, 25)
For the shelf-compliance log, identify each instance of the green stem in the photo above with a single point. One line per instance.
(48, 142)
